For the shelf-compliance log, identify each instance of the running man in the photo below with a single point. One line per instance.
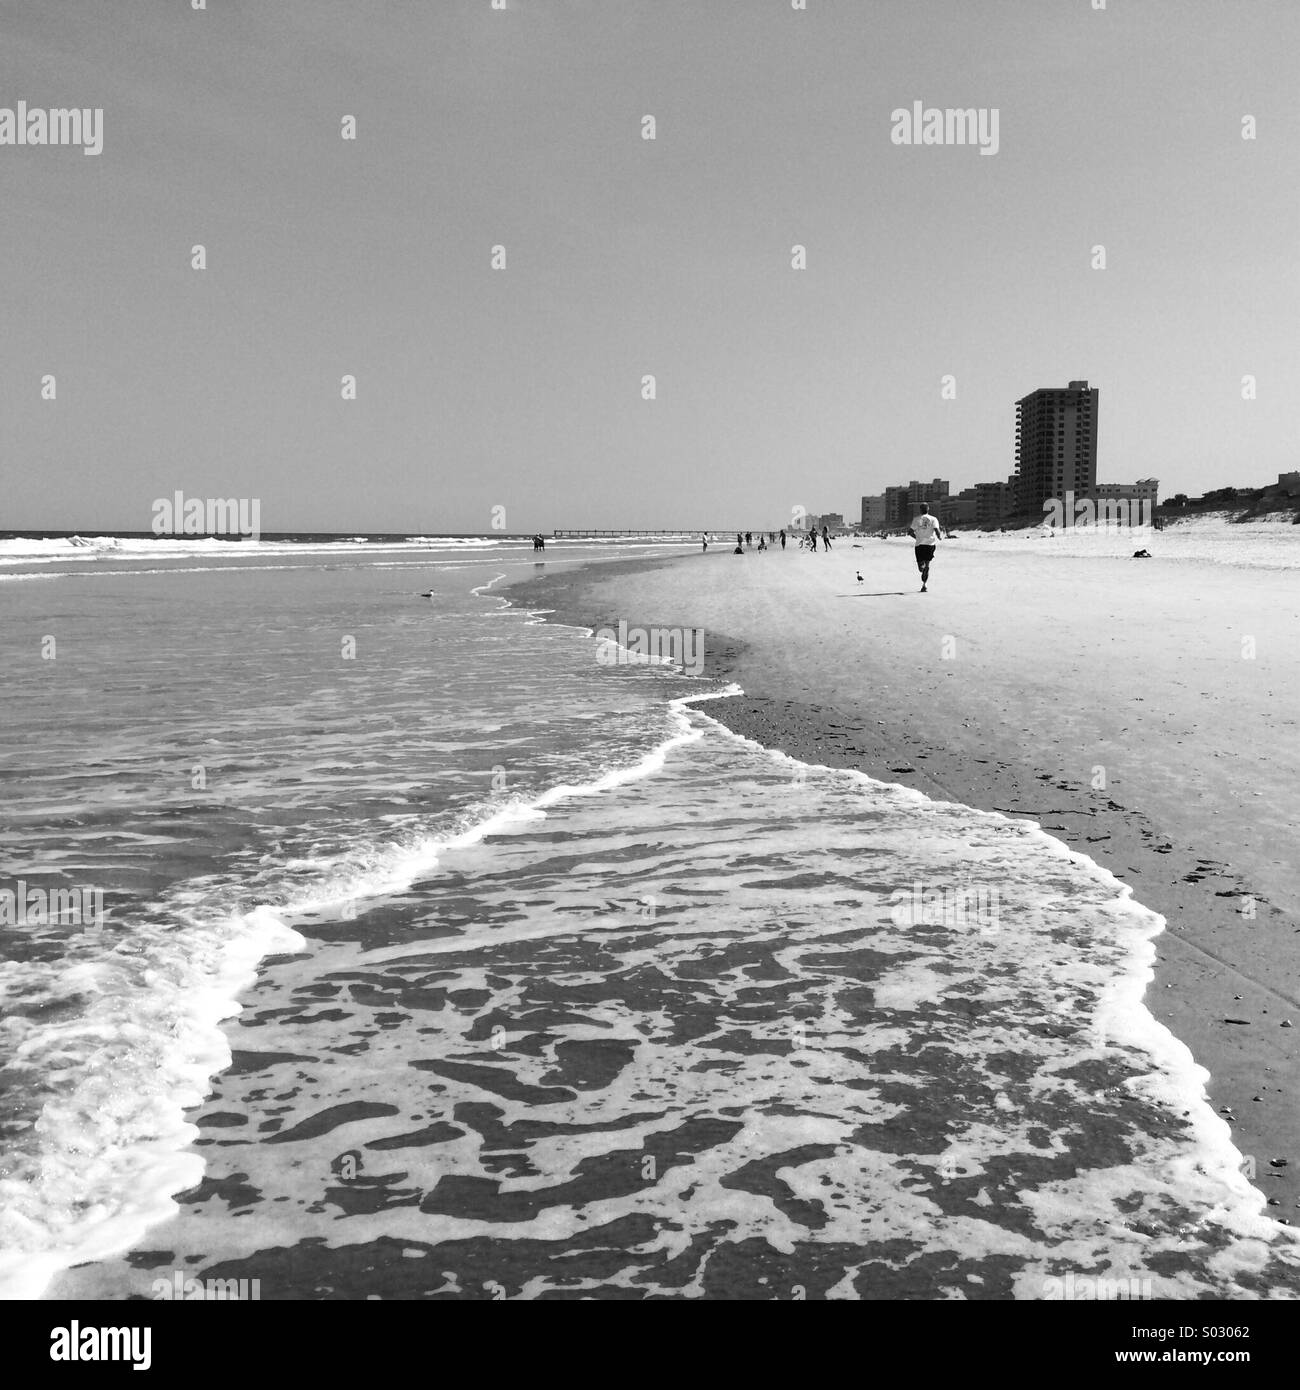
(926, 530)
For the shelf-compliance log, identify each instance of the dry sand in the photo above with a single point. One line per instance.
(1109, 700)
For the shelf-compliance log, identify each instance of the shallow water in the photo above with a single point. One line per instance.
(575, 993)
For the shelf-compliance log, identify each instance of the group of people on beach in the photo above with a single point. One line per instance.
(745, 540)
(925, 529)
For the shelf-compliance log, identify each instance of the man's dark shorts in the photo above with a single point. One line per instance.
(924, 554)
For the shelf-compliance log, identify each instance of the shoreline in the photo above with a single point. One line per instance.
(1226, 999)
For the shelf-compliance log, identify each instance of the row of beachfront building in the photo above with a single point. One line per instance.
(1056, 455)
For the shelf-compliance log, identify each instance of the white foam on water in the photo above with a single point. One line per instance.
(1209, 1169)
(109, 1153)
(749, 892)
(812, 1067)
(111, 1143)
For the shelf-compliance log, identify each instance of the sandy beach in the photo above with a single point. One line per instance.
(1142, 712)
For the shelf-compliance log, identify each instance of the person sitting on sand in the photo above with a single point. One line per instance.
(926, 530)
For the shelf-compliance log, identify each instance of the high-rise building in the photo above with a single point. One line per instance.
(873, 512)
(896, 510)
(1056, 445)
(932, 492)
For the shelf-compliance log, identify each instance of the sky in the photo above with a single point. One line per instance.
(521, 389)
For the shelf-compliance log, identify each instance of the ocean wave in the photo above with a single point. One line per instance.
(113, 1040)
(689, 1035)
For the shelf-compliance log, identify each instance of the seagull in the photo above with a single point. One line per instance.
(859, 574)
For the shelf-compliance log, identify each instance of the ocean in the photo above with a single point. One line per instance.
(439, 951)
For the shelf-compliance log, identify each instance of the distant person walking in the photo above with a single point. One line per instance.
(783, 539)
(826, 539)
(812, 539)
(705, 539)
(926, 530)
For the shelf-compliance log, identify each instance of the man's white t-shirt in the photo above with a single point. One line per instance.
(926, 529)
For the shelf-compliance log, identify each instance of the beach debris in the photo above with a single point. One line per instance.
(1257, 1097)
(1277, 1163)
(1225, 1110)
(903, 767)
(1236, 1020)
(1286, 1023)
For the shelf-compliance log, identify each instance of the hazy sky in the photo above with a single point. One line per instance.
(521, 387)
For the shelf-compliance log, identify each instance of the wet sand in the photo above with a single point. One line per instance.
(1143, 713)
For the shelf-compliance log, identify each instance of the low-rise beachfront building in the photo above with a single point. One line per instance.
(1131, 504)
(965, 507)
(897, 506)
(1144, 490)
(1289, 483)
(994, 502)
